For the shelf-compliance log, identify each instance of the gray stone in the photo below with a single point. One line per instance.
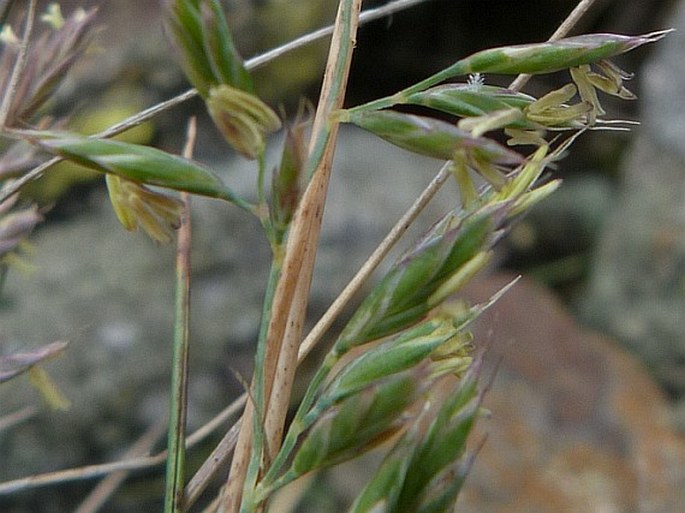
(637, 292)
(110, 294)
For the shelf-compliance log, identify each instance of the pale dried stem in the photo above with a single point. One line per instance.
(16, 418)
(104, 490)
(292, 292)
(80, 473)
(19, 66)
(231, 495)
(381, 251)
(566, 26)
(215, 461)
(93, 471)
(310, 219)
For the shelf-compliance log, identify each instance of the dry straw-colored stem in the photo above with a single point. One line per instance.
(307, 223)
(566, 26)
(12, 419)
(94, 471)
(371, 263)
(106, 488)
(292, 292)
(19, 65)
(222, 451)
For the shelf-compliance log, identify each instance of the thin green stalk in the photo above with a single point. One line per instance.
(261, 210)
(255, 464)
(401, 96)
(175, 470)
(253, 413)
(261, 171)
(290, 297)
(306, 229)
(274, 274)
(175, 476)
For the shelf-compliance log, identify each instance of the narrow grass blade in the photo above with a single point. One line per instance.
(137, 163)
(178, 400)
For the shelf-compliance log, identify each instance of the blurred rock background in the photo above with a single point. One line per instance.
(610, 244)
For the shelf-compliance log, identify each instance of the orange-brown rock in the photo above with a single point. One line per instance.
(576, 425)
